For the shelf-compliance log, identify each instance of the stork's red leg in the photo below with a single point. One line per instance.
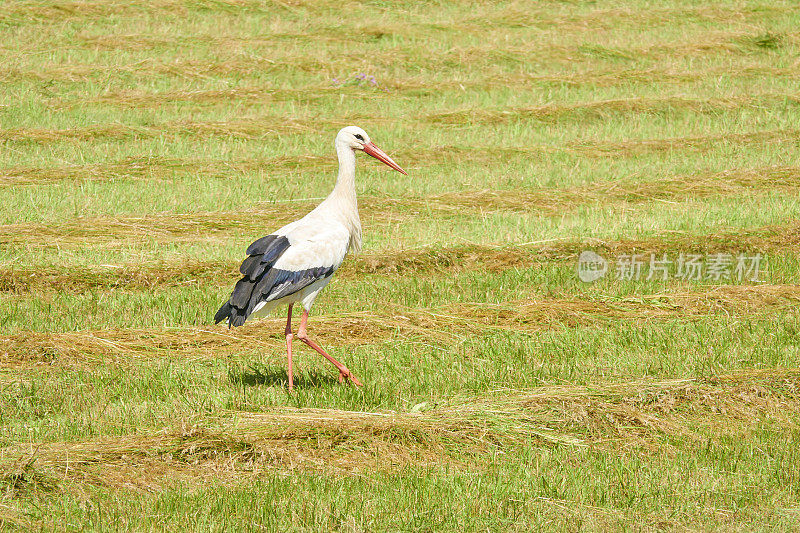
(344, 373)
(289, 347)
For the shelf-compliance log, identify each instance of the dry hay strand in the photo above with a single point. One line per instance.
(728, 183)
(131, 347)
(615, 417)
(675, 188)
(441, 260)
(597, 149)
(728, 42)
(140, 99)
(239, 443)
(116, 231)
(162, 226)
(470, 257)
(171, 227)
(110, 277)
(191, 70)
(10, 518)
(188, 227)
(248, 95)
(741, 298)
(185, 69)
(28, 11)
(544, 16)
(605, 77)
(243, 128)
(605, 108)
(235, 65)
(431, 261)
(771, 238)
(128, 347)
(634, 413)
(536, 314)
(261, 128)
(697, 143)
(569, 54)
(427, 261)
(222, 42)
(159, 168)
(549, 202)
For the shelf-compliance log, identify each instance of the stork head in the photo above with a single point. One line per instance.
(357, 139)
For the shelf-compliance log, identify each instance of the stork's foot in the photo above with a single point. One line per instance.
(345, 374)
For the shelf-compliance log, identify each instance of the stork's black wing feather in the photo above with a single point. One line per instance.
(278, 283)
(262, 282)
(262, 255)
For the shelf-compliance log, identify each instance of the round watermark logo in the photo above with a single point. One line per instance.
(591, 266)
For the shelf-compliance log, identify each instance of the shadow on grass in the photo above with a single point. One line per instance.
(255, 375)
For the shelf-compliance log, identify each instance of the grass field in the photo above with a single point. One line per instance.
(144, 145)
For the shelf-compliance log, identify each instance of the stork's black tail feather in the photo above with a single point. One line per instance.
(232, 314)
(223, 313)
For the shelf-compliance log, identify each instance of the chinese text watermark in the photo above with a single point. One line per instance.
(664, 266)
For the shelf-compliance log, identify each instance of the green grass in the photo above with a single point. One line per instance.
(144, 145)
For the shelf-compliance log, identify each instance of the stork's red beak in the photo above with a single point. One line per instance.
(380, 155)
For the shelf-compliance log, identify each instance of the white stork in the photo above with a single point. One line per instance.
(294, 263)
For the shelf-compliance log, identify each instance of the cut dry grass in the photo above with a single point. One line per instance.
(590, 74)
(636, 416)
(686, 144)
(158, 168)
(129, 347)
(602, 109)
(264, 127)
(582, 111)
(728, 183)
(513, 14)
(29, 11)
(613, 77)
(183, 69)
(674, 188)
(497, 258)
(596, 17)
(187, 227)
(245, 128)
(163, 227)
(246, 95)
(418, 262)
(113, 277)
(606, 149)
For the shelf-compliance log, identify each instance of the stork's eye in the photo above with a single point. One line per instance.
(359, 137)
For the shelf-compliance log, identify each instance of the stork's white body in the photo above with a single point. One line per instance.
(326, 249)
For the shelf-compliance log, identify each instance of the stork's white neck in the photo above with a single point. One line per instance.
(346, 181)
(343, 199)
